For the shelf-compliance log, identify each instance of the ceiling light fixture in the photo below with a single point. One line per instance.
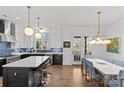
(35, 24)
(4, 15)
(38, 34)
(28, 30)
(100, 36)
(17, 17)
(53, 24)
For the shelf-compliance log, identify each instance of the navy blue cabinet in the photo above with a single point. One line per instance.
(57, 59)
(2, 26)
(17, 77)
(2, 62)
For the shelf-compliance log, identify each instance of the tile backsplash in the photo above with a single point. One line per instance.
(4, 48)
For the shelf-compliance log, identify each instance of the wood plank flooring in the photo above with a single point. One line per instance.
(1, 81)
(65, 76)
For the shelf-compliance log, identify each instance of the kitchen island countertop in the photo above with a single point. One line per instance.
(38, 53)
(33, 61)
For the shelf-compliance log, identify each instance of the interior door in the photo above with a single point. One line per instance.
(77, 49)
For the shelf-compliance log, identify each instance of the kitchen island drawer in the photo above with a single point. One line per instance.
(16, 77)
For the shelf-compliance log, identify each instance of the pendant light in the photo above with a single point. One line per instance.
(38, 34)
(100, 36)
(28, 30)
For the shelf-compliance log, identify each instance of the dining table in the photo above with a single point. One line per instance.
(107, 69)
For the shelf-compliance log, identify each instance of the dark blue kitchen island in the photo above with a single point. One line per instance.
(21, 73)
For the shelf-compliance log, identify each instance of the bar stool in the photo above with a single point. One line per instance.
(37, 82)
(42, 74)
(39, 77)
(45, 66)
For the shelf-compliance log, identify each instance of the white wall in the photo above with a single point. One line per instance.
(114, 30)
(67, 52)
(55, 38)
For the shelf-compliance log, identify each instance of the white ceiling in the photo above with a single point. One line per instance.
(63, 16)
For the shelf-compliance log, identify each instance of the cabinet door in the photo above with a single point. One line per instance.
(2, 62)
(0, 68)
(2, 26)
(12, 29)
(17, 77)
(57, 59)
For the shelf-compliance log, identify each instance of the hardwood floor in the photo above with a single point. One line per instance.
(1, 81)
(65, 76)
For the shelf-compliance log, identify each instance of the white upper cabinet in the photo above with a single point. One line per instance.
(22, 41)
(55, 39)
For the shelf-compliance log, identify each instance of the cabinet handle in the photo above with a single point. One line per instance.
(14, 74)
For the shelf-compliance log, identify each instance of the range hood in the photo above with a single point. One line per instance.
(7, 31)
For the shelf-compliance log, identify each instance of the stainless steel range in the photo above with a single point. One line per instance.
(12, 58)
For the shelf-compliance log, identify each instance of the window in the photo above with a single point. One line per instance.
(43, 43)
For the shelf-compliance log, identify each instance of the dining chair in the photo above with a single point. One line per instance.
(88, 56)
(117, 81)
(118, 62)
(82, 67)
(110, 60)
(93, 73)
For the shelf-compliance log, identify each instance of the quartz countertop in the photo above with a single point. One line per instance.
(33, 61)
(18, 54)
(105, 67)
(2, 58)
(38, 53)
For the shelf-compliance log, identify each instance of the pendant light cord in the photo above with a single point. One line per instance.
(28, 15)
(99, 22)
(38, 18)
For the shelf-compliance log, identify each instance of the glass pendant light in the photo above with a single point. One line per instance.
(100, 36)
(28, 30)
(38, 34)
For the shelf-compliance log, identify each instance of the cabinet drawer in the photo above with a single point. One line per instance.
(17, 77)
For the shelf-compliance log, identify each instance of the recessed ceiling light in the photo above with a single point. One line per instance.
(53, 24)
(5, 15)
(35, 24)
(86, 25)
(17, 17)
